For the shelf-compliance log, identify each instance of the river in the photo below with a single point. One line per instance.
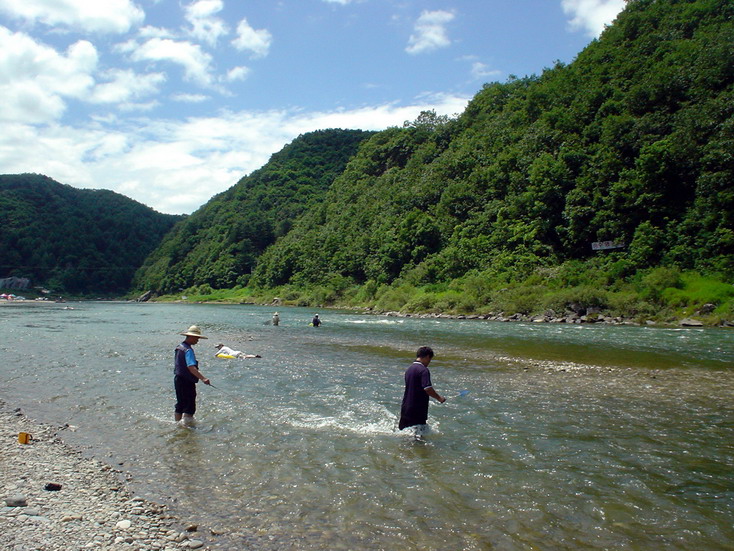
(570, 437)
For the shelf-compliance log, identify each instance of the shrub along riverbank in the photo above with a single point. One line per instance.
(573, 291)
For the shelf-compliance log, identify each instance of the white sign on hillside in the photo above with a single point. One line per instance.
(603, 245)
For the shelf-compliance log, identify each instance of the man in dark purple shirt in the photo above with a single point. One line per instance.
(418, 389)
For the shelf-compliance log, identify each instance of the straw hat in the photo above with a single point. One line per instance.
(194, 331)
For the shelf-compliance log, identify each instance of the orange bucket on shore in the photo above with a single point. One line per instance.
(24, 438)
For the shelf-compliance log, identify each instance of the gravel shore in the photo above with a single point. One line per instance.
(52, 498)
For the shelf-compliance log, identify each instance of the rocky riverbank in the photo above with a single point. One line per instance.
(53, 499)
(552, 317)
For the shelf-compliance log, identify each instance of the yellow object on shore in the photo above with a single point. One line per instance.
(24, 438)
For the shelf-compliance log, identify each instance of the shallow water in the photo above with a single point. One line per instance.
(571, 437)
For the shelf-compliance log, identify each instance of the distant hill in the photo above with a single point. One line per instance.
(75, 241)
(219, 244)
(632, 143)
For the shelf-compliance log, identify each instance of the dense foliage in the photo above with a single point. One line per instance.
(76, 241)
(218, 245)
(631, 143)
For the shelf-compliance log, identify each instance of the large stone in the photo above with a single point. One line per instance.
(17, 500)
(690, 322)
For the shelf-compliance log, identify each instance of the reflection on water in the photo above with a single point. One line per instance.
(572, 437)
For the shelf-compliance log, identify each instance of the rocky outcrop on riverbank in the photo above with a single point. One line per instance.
(53, 499)
(550, 317)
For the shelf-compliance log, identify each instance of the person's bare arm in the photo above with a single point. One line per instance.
(433, 394)
(196, 373)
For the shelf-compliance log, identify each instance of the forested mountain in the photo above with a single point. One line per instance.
(219, 244)
(633, 142)
(77, 241)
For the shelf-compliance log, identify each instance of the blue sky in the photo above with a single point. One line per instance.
(172, 101)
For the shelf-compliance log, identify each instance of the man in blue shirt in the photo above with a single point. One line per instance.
(186, 375)
(418, 388)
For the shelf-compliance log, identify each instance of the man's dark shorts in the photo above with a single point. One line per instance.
(185, 395)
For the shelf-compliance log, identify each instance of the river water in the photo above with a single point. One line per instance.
(571, 436)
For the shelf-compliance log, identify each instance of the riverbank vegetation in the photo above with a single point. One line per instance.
(662, 295)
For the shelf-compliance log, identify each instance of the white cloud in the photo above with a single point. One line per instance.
(376, 117)
(35, 79)
(107, 16)
(237, 73)
(155, 32)
(592, 15)
(125, 85)
(481, 71)
(252, 40)
(139, 106)
(191, 57)
(189, 98)
(176, 166)
(429, 33)
(205, 26)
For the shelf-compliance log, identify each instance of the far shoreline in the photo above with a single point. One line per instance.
(570, 318)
